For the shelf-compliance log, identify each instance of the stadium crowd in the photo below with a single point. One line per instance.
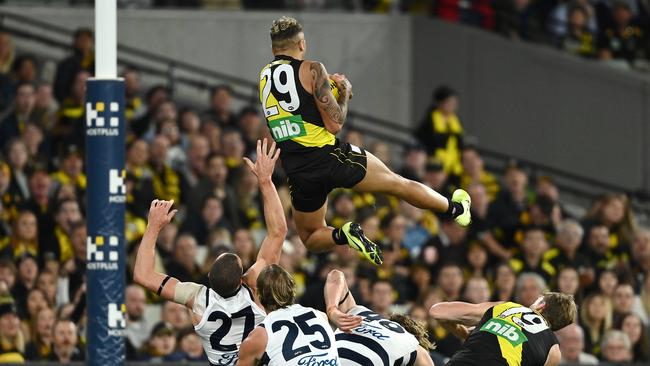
(522, 241)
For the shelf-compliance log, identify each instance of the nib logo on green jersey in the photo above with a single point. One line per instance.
(503, 329)
(287, 128)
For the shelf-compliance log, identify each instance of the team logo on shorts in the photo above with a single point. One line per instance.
(102, 121)
(116, 319)
(101, 256)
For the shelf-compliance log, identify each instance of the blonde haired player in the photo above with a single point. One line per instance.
(304, 116)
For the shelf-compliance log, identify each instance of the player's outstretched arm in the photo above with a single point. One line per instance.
(160, 214)
(460, 312)
(276, 223)
(253, 347)
(338, 301)
(423, 358)
(332, 111)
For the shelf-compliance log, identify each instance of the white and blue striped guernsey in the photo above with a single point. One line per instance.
(376, 342)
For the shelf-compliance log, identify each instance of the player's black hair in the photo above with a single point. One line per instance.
(442, 93)
(225, 275)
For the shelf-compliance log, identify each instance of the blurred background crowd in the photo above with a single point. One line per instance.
(523, 240)
(615, 31)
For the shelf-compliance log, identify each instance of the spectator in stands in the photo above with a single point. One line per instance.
(622, 40)
(17, 159)
(24, 237)
(474, 172)
(567, 242)
(530, 286)
(20, 113)
(27, 270)
(616, 347)
(190, 344)
(249, 198)
(505, 281)
(34, 139)
(579, 38)
(40, 346)
(477, 290)
(58, 242)
(7, 52)
(133, 106)
(210, 218)
(190, 123)
(415, 160)
(568, 282)
(625, 301)
(183, 265)
(632, 325)
(382, 297)
(607, 283)
(614, 212)
(40, 185)
(74, 270)
(82, 58)
(572, 345)
(441, 131)
(531, 258)
(194, 168)
(215, 183)
(45, 107)
(137, 329)
(7, 275)
(506, 210)
(46, 282)
(596, 319)
(166, 182)
(598, 250)
(161, 345)
(244, 246)
(65, 344)
(450, 281)
(233, 148)
(560, 21)
(71, 172)
(12, 339)
(70, 126)
(24, 69)
(252, 128)
(518, 19)
(155, 96)
(175, 315)
(220, 110)
(139, 172)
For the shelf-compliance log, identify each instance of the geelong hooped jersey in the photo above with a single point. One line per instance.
(299, 336)
(509, 334)
(225, 323)
(291, 113)
(377, 341)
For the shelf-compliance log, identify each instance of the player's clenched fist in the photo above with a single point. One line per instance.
(160, 214)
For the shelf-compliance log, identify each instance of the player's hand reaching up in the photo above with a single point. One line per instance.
(266, 158)
(160, 214)
(345, 322)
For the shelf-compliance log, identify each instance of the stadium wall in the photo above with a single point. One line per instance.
(528, 101)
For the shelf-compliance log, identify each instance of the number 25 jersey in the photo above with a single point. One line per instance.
(509, 334)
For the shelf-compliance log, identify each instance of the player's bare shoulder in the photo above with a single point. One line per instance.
(310, 73)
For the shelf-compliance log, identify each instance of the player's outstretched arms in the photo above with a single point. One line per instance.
(144, 273)
(460, 312)
(423, 358)
(276, 223)
(332, 111)
(338, 301)
(253, 347)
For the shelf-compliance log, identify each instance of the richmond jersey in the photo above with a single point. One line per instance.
(225, 323)
(377, 341)
(299, 336)
(509, 334)
(291, 114)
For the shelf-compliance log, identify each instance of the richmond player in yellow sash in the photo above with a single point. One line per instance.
(304, 117)
(507, 334)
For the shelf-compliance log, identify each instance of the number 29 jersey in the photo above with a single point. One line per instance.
(509, 334)
(299, 336)
(225, 323)
(292, 115)
(377, 341)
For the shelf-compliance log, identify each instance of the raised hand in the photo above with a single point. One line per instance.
(160, 214)
(266, 159)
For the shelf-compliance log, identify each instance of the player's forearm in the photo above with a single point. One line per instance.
(454, 328)
(460, 312)
(335, 289)
(276, 224)
(144, 272)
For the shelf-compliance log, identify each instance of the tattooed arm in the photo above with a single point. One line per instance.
(332, 111)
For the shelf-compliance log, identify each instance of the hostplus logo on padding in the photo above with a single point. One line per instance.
(116, 186)
(101, 256)
(101, 121)
(116, 319)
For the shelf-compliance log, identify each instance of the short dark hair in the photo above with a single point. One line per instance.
(443, 92)
(217, 88)
(83, 31)
(225, 274)
(559, 310)
(283, 31)
(18, 62)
